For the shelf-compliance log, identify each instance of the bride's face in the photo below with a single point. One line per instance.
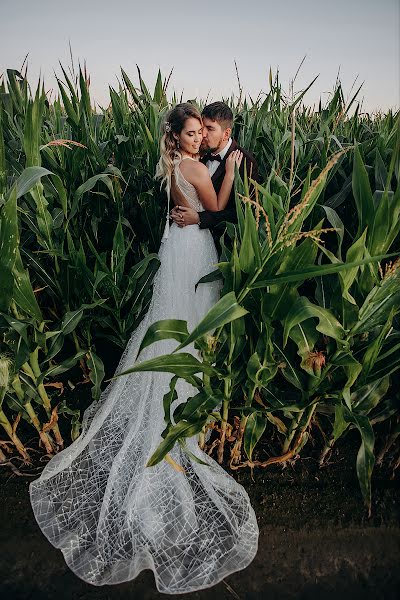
(191, 135)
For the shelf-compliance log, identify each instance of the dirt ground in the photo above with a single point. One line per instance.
(316, 540)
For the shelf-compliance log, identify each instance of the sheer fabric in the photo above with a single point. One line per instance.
(96, 501)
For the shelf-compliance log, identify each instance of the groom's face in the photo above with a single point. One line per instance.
(214, 137)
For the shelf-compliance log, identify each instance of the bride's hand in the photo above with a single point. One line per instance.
(182, 215)
(234, 158)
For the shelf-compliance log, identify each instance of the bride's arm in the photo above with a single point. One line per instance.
(200, 178)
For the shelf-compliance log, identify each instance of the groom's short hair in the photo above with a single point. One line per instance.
(220, 112)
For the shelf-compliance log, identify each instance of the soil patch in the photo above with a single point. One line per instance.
(315, 539)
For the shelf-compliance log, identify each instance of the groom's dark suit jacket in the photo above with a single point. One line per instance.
(212, 220)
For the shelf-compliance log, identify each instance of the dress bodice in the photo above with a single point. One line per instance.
(187, 189)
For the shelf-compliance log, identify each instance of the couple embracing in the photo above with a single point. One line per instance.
(218, 152)
(109, 514)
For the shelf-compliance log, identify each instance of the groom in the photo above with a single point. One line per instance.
(216, 145)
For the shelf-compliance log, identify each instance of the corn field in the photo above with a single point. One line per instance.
(304, 344)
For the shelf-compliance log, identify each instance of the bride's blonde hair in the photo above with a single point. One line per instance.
(169, 147)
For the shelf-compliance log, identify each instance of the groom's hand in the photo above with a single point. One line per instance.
(182, 215)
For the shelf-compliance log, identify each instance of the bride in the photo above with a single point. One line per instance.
(109, 514)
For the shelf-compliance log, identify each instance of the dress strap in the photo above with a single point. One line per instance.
(166, 228)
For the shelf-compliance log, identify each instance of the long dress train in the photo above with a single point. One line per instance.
(96, 501)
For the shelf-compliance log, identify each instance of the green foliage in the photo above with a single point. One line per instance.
(306, 331)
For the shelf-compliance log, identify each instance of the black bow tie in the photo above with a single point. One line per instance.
(212, 157)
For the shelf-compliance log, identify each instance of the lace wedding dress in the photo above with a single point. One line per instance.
(96, 501)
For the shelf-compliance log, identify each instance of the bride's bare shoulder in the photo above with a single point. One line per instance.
(193, 169)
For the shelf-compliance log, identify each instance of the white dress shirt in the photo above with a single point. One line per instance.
(212, 165)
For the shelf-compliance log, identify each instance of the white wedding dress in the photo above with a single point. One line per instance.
(96, 501)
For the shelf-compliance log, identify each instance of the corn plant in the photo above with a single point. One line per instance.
(43, 224)
(305, 337)
(342, 339)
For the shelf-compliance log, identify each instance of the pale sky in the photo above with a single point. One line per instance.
(201, 40)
